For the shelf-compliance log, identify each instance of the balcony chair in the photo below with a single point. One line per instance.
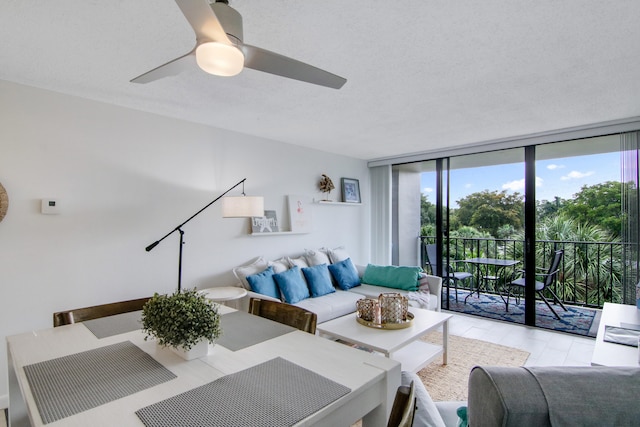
(76, 315)
(449, 273)
(404, 407)
(287, 314)
(549, 279)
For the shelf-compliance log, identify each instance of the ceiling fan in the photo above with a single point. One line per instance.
(220, 50)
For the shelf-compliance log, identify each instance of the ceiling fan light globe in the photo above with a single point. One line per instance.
(219, 59)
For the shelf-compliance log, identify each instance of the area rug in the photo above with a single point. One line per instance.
(449, 382)
(576, 320)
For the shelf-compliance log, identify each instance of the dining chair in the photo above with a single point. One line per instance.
(76, 315)
(287, 314)
(449, 273)
(404, 407)
(549, 279)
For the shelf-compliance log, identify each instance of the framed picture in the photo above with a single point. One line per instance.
(300, 214)
(265, 224)
(350, 190)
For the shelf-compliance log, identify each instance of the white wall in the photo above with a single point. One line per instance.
(125, 178)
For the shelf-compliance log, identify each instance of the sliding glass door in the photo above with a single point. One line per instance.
(491, 222)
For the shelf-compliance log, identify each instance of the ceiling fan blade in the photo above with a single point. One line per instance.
(274, 63)
(203, 20)
(171, 68)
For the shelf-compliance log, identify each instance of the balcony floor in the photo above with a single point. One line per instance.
(576, 320)
(547, 348)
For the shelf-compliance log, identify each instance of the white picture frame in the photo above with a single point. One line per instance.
(300, 213)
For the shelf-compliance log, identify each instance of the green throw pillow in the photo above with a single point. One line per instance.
(391, 276)
(462, 417)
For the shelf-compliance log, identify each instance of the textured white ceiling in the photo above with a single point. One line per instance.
(421, 74)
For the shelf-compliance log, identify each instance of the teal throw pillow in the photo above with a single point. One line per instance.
(345, 274)
(292, 285)
(319, 280)
(462, 417)
(392, 276)
(263, 283)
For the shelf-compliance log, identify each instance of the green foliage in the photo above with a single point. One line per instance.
(181, 319)
(590, 272)
(427, 211)
(489, 210)
(546, 208)
(599, 204)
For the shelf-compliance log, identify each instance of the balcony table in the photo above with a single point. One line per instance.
(372, 379)
(500, 264)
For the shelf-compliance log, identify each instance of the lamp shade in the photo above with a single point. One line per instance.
(219, 59)
(242, 206)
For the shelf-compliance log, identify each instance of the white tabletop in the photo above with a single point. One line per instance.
(383, 340)
(611, 354)
(224, 293)
(367, 375)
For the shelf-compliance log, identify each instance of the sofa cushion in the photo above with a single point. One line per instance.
(256, 266)
(338, 254)
(345, 274)
(416, 299)
(292, 285)
(300, 261)
(263, 283)
(392, 276)
(317, 257)
(279, 265)
(318, 280)
(330, 306)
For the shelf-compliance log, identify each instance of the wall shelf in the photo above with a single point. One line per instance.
(278, 233)
(324, 202)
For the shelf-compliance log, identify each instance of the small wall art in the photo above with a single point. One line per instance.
(265, 224)
(300, 214)
(350, 190)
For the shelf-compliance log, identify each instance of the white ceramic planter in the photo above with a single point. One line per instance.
(197, 351)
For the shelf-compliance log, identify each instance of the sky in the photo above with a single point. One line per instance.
(561, 177)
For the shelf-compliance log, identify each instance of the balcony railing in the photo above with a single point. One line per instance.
(590, 272)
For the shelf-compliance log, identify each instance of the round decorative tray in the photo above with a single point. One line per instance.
(400, 325)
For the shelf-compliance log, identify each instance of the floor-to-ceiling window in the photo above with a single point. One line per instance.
(578, 195)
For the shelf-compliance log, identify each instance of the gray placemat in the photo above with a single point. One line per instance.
(71, 384)
(273, 394)
(241, 330)
(115, 325)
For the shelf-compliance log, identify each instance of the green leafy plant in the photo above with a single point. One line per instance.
(181, 319)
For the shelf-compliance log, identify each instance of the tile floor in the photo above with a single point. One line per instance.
(547, 348)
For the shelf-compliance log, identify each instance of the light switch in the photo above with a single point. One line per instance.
(50, 206)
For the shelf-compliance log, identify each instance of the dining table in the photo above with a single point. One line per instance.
(107, 372)
(482, 265)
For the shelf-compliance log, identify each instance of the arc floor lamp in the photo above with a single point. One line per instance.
(232, 207)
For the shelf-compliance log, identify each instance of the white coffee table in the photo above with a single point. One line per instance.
(403, 345)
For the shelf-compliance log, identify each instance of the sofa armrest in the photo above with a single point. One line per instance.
(434, 284)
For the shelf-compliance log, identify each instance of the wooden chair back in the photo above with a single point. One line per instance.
(287, 314)
(88, 313)
(404, 407)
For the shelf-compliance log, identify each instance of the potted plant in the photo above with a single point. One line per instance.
(184, 321)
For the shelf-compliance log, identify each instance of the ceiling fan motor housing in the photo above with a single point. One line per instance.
(230, 20)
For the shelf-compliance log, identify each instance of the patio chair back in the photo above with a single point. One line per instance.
(554, 268)
(431, 251)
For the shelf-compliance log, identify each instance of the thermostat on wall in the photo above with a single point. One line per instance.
(50, 206)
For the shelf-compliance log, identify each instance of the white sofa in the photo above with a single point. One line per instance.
(343, 302)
